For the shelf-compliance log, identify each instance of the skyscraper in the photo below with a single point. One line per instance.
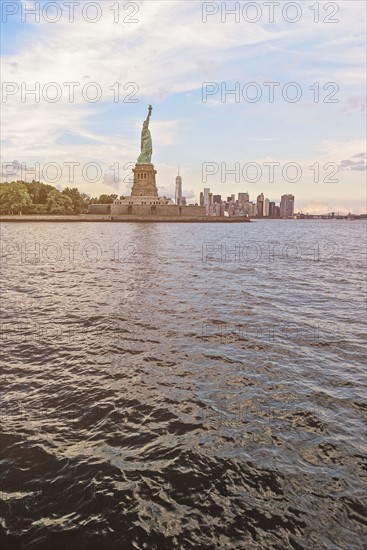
(266, 207)
(260, 205)
(272, 209)
(286, 206)
(206, 196)
(178, 192)
(243, 197)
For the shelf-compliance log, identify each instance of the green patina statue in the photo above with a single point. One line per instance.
(145, 156)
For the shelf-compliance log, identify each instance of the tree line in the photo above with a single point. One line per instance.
(21, 197)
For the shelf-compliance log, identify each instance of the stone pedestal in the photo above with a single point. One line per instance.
(144, 181)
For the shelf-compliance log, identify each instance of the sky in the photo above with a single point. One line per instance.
(184, 58)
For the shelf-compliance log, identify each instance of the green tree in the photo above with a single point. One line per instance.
(76, 198)
(14, 197)
(39, 191)
(3, 207)
(85, 201)
(57, 203)
(106, 199)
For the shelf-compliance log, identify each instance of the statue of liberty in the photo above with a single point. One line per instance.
(145, 156)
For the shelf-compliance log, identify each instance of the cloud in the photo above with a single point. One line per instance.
(166, 191)
(354, 103)
(111, 180)
(359, 165)
(339, 149)
(348, 164)
(191, 195)
(10, 170)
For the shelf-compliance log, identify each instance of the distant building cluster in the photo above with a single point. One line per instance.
(242, 206)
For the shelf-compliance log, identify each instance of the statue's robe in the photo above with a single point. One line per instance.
(146, 147)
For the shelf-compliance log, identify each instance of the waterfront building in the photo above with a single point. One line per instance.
(266, 207)
(287, 206)
(260, 205)
(271, 209)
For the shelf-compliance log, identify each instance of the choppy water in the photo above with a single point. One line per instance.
(183, 386)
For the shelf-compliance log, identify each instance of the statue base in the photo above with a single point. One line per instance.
(144, 181)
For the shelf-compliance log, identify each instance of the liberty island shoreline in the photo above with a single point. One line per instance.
(128, 218)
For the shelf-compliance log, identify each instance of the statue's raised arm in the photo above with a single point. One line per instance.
(146, 141)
